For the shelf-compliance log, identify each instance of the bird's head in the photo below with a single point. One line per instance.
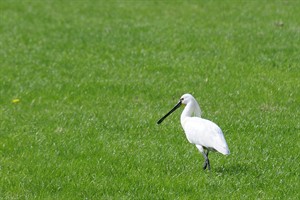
(186, 98)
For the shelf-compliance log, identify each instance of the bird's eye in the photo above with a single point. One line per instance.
(181, 99)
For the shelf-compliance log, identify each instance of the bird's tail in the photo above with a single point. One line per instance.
(224, 150)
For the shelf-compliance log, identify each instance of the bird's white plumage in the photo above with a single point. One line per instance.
(205, 133)
(199, 131)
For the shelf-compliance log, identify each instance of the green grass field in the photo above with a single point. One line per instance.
(93, 77)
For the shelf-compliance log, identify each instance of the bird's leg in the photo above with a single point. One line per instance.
(205, 154)
(205, 165)
(206, 162)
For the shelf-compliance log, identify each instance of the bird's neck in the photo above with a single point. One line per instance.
(192, 109)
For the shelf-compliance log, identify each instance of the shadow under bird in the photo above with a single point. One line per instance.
(205, 134)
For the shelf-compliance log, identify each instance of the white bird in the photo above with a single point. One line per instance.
(205, 134)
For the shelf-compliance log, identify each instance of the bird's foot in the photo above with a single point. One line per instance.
(206, 165)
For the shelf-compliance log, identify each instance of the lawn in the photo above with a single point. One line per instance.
(82, 84)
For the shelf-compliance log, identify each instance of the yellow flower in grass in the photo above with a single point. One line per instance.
(15, 101)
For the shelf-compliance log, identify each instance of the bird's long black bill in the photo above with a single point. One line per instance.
(173, 109)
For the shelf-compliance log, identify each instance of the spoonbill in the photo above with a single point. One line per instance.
(205, 134)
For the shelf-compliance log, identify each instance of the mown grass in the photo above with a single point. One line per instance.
(93, 77)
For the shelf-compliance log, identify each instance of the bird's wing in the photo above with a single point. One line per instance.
(205, 133)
